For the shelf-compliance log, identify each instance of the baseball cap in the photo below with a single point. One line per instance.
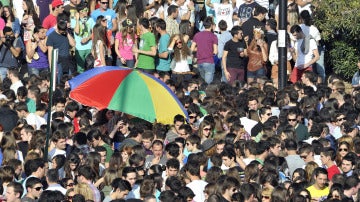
(127, 23)
(57, 3)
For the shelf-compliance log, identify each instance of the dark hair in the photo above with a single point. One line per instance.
(53, 196)
(145, 23)
(161, 24)
(18, 188)
(33, 165)
(208, 22)
(173, 149)
(173, 163)
(235, 30)
(52, 175)
(172, 9)
(295, 28)
(121, 184)
(86, 171)
(31, 181)
(259, 10)
(222, 25)
(127, 170)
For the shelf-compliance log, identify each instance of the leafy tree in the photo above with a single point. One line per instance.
(339, 23)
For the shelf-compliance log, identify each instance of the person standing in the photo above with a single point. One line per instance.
(164, 59)
(60, 39)
(36, 50)
(82, 26)
(10, 50)
(51, 20)
(147, 48)
(172, 27)
(305, 53)
(205, 42)
(233, 60)
(319, 188)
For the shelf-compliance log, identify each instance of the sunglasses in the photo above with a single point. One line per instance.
(234, 190)
(340, 119)
(292, 120)
(207, 129)
(192, 117)
(266, 197)
(343, 149)
(104, 2)
(269, 114)
(70, 185)
(38, 188)
(104, 20)
(303, 156)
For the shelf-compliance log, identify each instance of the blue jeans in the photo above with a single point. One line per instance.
(129, 63)
(3, 73)
(207, 71)
(320, 65)
(36, 71)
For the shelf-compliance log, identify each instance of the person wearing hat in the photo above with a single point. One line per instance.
(123, 46)
(50, 20)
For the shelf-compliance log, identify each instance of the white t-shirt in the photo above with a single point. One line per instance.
(198, 187)
(312, 31)
(16, 85)
(301, 57)
(223, 12)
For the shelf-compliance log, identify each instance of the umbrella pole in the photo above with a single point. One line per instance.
(54, 59)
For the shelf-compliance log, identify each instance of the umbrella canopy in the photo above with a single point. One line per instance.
(129, 91)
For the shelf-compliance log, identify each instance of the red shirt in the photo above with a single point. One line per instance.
(333, 170)
(49, 21)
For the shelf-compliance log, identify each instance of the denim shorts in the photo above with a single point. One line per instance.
(256, 74)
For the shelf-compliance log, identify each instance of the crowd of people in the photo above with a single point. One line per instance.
(243, 139)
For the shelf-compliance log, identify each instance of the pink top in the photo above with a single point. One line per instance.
(2, 24)
(126, 49)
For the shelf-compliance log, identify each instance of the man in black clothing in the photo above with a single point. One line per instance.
(351, 187)
(233, 60)
(257, 21)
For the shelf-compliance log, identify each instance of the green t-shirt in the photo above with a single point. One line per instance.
(147, 41)
(109, 152)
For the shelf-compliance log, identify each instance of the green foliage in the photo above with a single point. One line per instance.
(339, 22)
(344, 59)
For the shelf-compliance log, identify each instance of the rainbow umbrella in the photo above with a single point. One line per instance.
(129, 91)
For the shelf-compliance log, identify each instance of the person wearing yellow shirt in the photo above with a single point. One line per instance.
(319, 188)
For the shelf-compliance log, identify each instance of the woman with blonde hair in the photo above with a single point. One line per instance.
(7, 154)
(309, 168)
(257, 52)
(105, 181)
(85, 190)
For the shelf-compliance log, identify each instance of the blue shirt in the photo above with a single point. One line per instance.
(109, 14)
(356, 79)
(161, 63)
(222, 39)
